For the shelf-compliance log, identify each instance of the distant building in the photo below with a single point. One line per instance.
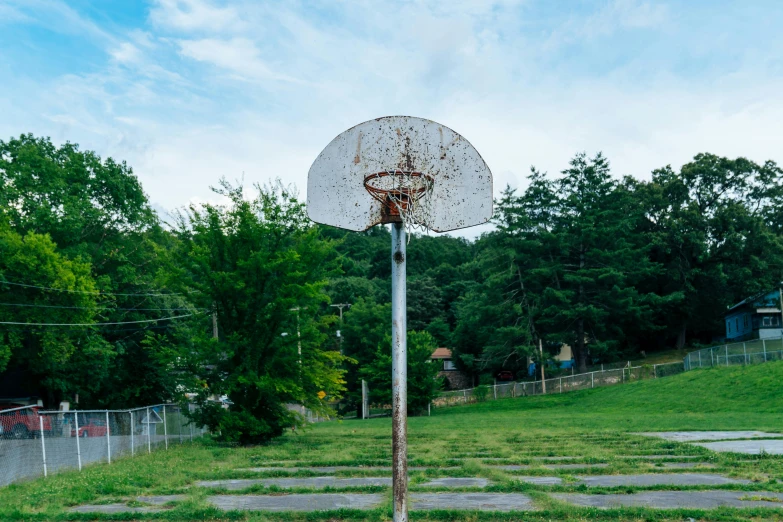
(757, 317)
(453, 379)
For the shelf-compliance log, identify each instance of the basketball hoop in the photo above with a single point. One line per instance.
(408, 172)
(402, 194)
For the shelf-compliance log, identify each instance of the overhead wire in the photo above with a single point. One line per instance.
(100, 308)
(5, 281)
(103, 324)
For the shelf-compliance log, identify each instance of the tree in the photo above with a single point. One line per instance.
(52, 355)
(713, 228)
(422, 383)
(263, 268)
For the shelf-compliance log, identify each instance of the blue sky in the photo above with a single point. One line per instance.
(190, 90)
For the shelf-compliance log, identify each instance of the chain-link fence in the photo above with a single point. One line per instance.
(564, 384)
(36, 443)
(755, 351)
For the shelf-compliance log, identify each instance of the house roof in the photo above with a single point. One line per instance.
(441, 353)
(757, 300)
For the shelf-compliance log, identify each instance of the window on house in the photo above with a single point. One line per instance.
(767, 321)
(745, 321)
(775, 320)
(448, 364)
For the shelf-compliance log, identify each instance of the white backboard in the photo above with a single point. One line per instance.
(461, 194)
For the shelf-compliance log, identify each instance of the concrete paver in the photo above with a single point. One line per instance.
(692, 436)
(676, 499)
(307, 502)
(518, 467)
(335, 469)
(112, 508)
(457, 482)
(659, 479)
(472, 501)
(305, 482)
(541, 481)
(159, 500)
(749, 447)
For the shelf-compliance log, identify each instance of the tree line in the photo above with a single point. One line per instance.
(233, 300)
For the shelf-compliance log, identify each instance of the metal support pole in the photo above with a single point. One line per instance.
(495, 391)
(655, 371)
(149, 432)
(745, 351)
(727, 354)
(699, 358)
(712, 358)
(465, 395)
(561, 385)
(592, 379)
(78, 446)
(43, 444)
(108, 439)
(764, 344)
(133, 452)
(399, 376)
(165, 429)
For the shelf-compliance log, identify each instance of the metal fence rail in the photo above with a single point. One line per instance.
(554, 385)
(36, 443)
(756, 351)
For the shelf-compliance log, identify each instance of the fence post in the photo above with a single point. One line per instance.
(43, 444)
(655, 371)
(465, 395)
(108, 438)
(190, 423)
(133, 452)
(78, 446)
(561, 385)
(592, 379)
(727, 355)
(149, 432)
(495, 391)
(165, 429)
(429, 410)
(712, 358)
(764, 344)
(622, 375)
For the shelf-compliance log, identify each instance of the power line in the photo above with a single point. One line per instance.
(105, 308)
(84, 291)
(101, 324)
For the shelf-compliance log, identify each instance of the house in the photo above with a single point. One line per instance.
(453, 379)
(757, 317)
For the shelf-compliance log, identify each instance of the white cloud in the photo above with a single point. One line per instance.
(194, 15)
(237, 55)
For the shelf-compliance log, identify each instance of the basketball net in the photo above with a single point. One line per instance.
(404, 196)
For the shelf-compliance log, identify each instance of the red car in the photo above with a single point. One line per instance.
(23, 423)
(92, 428)
(505, 375)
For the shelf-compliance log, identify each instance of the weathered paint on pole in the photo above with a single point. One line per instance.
(399, 376)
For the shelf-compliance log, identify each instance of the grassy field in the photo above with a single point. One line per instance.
(593, 425)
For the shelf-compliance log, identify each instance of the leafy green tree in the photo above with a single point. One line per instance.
(95, 211)
(263, 269)
(50, 354)
(713, 227)
(366, 324)
(423, 385)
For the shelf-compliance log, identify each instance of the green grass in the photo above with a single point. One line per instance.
(594, 425)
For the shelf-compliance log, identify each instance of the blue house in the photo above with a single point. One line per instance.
(757, 317)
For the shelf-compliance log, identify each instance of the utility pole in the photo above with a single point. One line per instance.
(298, 336)
(339, 332)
